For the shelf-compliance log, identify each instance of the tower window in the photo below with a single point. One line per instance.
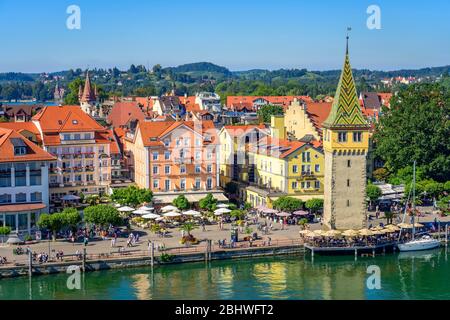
(357, 136)
(348, 203)
(342, 136)
(349, 163)
(348, 182)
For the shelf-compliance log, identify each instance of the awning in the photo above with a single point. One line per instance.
(14, 208)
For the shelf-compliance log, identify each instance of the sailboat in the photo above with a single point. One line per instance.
(423, 243)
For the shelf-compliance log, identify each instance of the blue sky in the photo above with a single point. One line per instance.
(238, 34)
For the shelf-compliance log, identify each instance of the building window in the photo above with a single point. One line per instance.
(198, 142)
(294, 185)
(308, 184)
(155, 156)
(198, 168)
(35, 174)
(317, 168)
(209, 168)
(155, 184)
(167, 169)
(342, 136)
(348, 182)
(77, 136)
(317, 184)
(306, 156)
(166, 142)
(5, 198)
(21, 197)
(5, 175)
(183, 184)
(167, 185)
(21, 174)
(187, 142)
(198, 155)
(357, 136)
(306, 169)
(197, 183)
(348, 203)
(167, 155)
(66, 137)
(349, 163)
(87, 136)
(182, 169)
(209, 183)
(209, 156)
(294, 168)
(155, 170)
(36, 197)
(20, 151)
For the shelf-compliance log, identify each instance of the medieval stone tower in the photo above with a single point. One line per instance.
(346, 143)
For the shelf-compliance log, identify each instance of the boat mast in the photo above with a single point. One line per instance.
(414, 200)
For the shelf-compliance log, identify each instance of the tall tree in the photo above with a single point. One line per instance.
(417, 127)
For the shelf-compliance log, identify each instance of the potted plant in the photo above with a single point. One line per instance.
(4, 232)
(188, 238)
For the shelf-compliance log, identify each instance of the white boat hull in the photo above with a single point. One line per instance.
(419, 245)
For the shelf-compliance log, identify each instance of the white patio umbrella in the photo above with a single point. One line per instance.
(126, 209)
(223, 205)
(172, 214)
(169, 208)
(222, 210)
(70, 197)
(141, 212)
(192, 213)
(150, 216)
(269, 211)
(283, 214)
(146, 208)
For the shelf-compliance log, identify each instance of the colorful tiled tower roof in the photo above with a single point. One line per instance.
(346, 111)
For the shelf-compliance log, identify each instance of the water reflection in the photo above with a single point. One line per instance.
(405, 276)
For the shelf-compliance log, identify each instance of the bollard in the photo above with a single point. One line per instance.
(83, 266)
(30, 263)
(152, 254)
(446, 234)
(206, 250)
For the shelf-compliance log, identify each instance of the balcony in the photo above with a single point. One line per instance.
(183, 160)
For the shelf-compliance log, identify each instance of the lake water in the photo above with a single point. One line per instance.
(424, 275)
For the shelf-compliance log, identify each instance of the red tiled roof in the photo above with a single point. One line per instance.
(124, 112)
(280, 148)
(34, 153)
(318, 112)
(152, 132)
(23, 126)
(238, 130)
(66, 119)
(277, 100)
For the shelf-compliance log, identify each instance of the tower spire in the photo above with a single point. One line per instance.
(348, 37)
(346, 111)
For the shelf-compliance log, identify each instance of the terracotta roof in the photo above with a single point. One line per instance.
(88, 92)
(280, 148)
(385, 98)
(124, 112)
(23, 126)
(318, 113)
(66, 119)
(277, 100)
(146, 102)
(153, 131)
(22, 207)
(240, 130)
(9, 137)
(370, 100)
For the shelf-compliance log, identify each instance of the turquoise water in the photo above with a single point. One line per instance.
(423, 275)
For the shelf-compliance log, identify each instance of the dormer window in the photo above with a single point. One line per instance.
(20, 151)
(74, 121)
(20, 148)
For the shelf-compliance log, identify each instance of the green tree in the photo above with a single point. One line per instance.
(4, 231)
(288, 204)
(208, 203)
(188, 227)
(70, 218)
(181, 202)
(131, 196)
(416, 127)
(373, 192)
(102, 215)
(53, 222)
(71, 97)
(444, 204)
(266, 112)
(314, 204)
(381, 174)
(238, 214)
